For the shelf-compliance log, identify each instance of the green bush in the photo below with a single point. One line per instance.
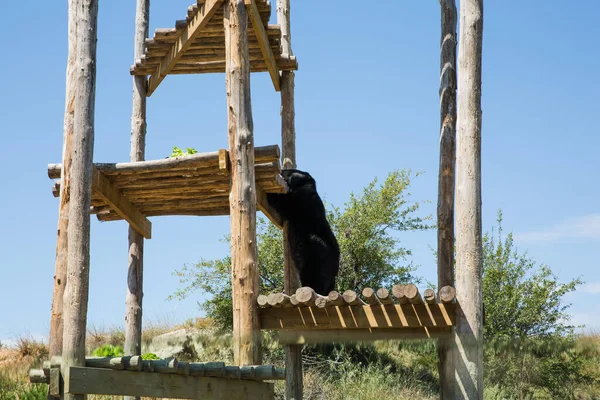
(150, 356)
(108, 350)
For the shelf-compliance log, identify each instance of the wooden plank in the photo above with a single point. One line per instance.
(75, 299)
(242, 199)
(82, 380)
(267, 210)
(263, 42)
(360, 335)
(102, 186)
(356, 317)
(55, 382)
(468, 337)
(185, 39)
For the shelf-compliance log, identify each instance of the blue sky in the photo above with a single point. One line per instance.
(366, 104)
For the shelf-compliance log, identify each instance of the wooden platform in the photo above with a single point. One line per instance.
(196, 184)
(132, 376)
(197, 44)
(401, 312)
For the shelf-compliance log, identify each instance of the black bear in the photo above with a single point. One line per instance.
(314, 248)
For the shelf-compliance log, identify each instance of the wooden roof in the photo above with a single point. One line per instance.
(197, 184)
(197, 44)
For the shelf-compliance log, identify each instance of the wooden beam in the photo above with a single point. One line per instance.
(264, 206)
(83, 380)
(102, 186)
(75, 298)
(135, 257)
(355, 317)
(446, 187)
(468, 337)
(263, 42)
(185, 39)
(360, 335)
(242, 198)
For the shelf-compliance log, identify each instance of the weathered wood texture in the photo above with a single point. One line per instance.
(445, 207)
(60, 269)
(469, 324)
(183, 42)
(83, 380)
(135, 257)
(360, 335)
(293, 361)
(354, 317)
(78, 261)
(263, 41)
(188, 185)
(242, 198)
(205, 52)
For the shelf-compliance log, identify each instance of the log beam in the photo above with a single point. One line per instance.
(264, 206)
(360, 335)
(102, 186)
(185, 39)
(263, 42)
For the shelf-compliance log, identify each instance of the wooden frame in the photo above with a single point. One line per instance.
(185, 39)
(102, 186)
(356, 317)
(263, 42)
(360, 335)
(86, 380)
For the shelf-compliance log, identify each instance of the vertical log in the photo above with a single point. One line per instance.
(135, 277)
(445, 207)
(60, 274)
(469, 324)
(242, 198)
(78, 261)
(293, 353)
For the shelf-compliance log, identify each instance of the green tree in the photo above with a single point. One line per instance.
(371, 252)
(530, 344)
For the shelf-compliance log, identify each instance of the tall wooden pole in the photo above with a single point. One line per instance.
(445, 207)
(78, 261)
(242, 198)
(469, 254)
(60, 274)
(135, 293)
(293, 353)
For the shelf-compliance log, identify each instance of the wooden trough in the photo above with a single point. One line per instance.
(399, 313)
(197, 184)
(132, 376)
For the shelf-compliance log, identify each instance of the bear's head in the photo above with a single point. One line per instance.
(297, 179)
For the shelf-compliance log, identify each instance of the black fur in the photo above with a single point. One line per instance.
(314, 248)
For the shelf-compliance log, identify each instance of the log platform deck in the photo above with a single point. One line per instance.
(196, 184)
(399, 313)
(170, 378)
(197, 44)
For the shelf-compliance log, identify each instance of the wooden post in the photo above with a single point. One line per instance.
(78, 261)
(445, 207)
(60, 274)
(135, 293)
(293, 353)
(469, 258)
(242, 198)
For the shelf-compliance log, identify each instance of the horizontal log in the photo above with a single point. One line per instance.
(412, 294)
(370, 296)
(384, 296)
(263, 301)
(262, 154)
(336, 299)
(279, 300)
(106, 362)
(170, 35)
(196, 213)
(352, 298)
(398, 293)
(82, 380)
(360, 335)
(447, 294)
(354, 317)
(38, 376)
(429, 296)
(283, 64)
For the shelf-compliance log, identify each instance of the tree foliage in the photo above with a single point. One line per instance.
(366, 229)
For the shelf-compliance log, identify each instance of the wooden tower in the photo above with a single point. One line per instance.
(234, 37)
